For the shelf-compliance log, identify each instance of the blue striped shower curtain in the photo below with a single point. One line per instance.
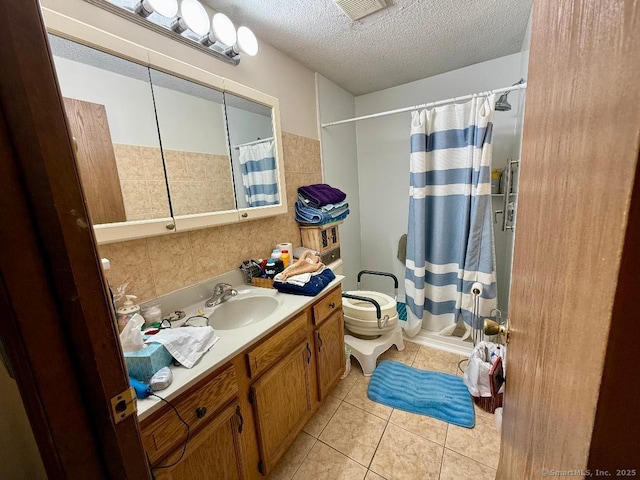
(450, 242)
(259, 174)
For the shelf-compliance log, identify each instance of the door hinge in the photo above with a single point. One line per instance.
(123, 405)
(261, 467)
(251, 397)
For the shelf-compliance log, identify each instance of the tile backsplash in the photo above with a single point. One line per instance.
(159, 265)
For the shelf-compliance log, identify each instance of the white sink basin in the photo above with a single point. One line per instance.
(241, 311)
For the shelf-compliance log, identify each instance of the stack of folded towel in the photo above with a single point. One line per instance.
(320, 204)
(309, 284)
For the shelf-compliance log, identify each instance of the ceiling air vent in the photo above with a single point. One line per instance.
(356, 9)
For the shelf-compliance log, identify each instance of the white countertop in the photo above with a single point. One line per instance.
(231, 343)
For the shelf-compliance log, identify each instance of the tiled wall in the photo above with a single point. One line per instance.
(199, 182)
(144, 190)
(159, 265)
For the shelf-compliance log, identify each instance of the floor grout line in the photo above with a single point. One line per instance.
(377, 446)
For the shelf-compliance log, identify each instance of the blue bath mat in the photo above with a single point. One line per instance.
(434, 394)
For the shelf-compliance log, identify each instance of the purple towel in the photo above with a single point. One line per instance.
(321, 194)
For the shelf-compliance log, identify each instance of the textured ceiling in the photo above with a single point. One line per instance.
(410, 40)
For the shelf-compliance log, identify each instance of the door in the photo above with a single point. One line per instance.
(282, 404)
(217, 451)
(57, 326)
(576, 246)
(96, 161)
(329, 340)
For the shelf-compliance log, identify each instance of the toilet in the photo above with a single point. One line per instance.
(363, 332)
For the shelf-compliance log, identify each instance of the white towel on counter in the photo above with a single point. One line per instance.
(186, 344)
(301, 279)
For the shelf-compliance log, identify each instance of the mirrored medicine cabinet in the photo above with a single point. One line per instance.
(162, 146)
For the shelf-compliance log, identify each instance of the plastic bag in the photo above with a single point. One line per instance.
(131, 335)
(476, 374)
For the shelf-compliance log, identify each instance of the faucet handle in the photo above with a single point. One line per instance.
(220, 288)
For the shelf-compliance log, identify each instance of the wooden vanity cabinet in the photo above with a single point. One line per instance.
(270, 390)
(330, 361)
(217, 451)
(328, 319)
(282, 403)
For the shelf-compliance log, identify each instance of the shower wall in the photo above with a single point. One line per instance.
(383, 160)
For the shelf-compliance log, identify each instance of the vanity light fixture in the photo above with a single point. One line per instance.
(172, 18)
(192, 16)
(247, 41)
(166, 8)
(222, 31)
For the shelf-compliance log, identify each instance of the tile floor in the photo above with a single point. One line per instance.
(353, 438)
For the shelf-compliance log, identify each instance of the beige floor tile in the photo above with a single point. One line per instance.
(354, 432)
(291, 460)
(403, 455)
(342, 388)
(357, 397)
(373, 476)
(405, 356)
(320, 419)
(481, 443)
(427, 427)
(325, 463)
(483, 413)
(460, 370)
(459, 467)
(436, 360)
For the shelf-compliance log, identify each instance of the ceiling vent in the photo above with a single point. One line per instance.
(356, 9)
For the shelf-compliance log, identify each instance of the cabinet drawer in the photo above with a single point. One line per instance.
(280, 343)
(328, 305)
(196, 406)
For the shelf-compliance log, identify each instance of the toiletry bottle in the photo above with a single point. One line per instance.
(106, 265)
(286, 259)
(128, 310)
(270, 270)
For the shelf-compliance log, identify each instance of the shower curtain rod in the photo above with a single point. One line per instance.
(237, 147)
(520, 86)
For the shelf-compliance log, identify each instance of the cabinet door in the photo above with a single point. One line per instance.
(217, 451)
(282, 404)
(329, 352)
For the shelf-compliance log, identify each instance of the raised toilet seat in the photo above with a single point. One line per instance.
(371, 322)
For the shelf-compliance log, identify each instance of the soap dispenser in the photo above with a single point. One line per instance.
(127, 310)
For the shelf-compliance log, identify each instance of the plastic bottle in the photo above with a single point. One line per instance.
(270, 269)
(276, 254)
(285, 257)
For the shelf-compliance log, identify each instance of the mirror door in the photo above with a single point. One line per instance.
(192, 126)
(111, 114)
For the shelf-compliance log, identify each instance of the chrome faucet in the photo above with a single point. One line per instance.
(221, 293)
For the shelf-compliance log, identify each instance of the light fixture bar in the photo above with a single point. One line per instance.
(143, 22)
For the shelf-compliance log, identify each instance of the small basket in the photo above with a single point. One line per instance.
(496, 374)
(250, 269)
(262, 282)
(489, 404)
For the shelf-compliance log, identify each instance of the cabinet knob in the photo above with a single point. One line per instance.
(245, 215)
(170, 226)
(332, 305)
(201, 412)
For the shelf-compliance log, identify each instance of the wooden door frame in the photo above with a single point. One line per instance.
(572, 394)
(58, 329)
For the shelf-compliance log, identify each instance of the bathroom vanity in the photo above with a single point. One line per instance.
(248, 398)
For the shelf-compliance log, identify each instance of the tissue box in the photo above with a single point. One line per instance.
(143, 363)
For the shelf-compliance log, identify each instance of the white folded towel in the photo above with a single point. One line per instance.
(301, 279)
(186, 344)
